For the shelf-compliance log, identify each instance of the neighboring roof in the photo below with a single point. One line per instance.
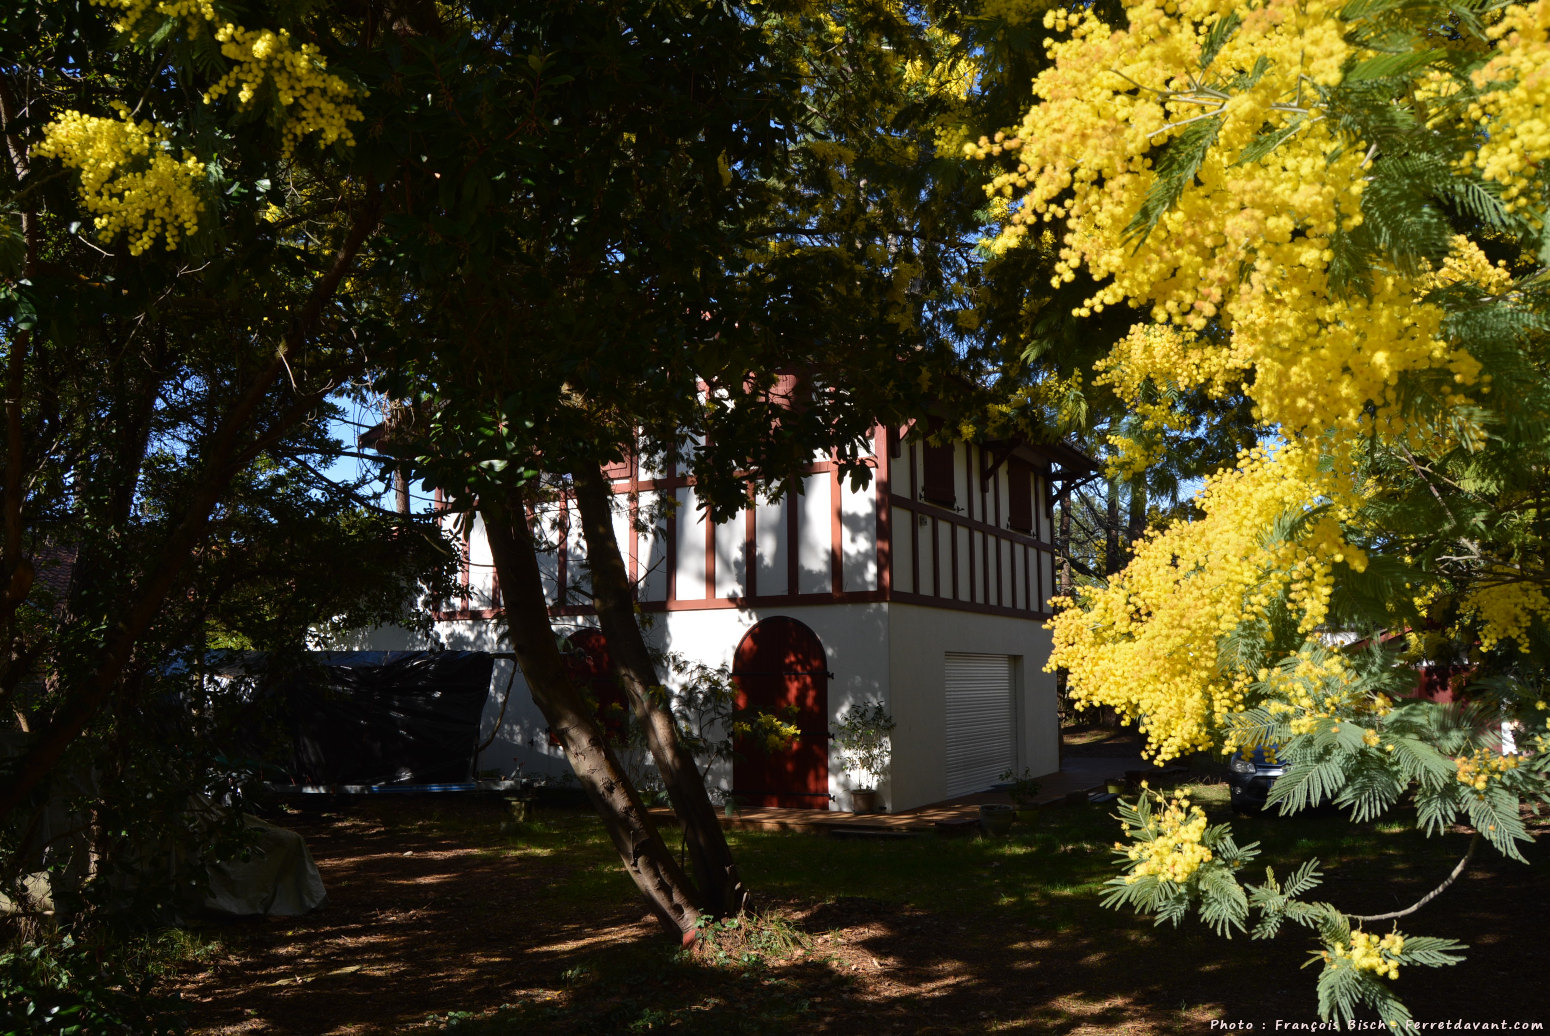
(372, 437)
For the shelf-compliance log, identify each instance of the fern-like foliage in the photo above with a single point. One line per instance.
(1176, 166)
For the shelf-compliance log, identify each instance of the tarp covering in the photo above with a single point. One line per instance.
(278, 878)
(374, 717)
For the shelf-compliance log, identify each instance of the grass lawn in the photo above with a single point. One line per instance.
(916, 935)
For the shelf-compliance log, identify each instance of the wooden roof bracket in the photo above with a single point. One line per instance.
(1005, 449)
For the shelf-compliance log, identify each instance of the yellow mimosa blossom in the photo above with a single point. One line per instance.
(1506, 610)
(310, 99)
(1145, 644)
(1517, 114)
(1174, 851)
(1367, 952)
(131, 181)
(313, 100)
(1234, 263)
(1248, 243)
(1482, 766)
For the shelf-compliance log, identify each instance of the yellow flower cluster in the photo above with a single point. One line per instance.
(1368, 952)
(195, 12)
(1505, 610)
(770, 733)
(952, 74)
(1150, 348)
(314, 100)
(1248, 242)
(131, 181)
(311, 99)
(1140, 359)
(1314, 686)
(1468, 264)
(1175, 850)
(1146, 643)
(1236, 277)
(1482, 766)
(1514, 110)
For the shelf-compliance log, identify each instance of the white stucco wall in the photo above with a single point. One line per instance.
(854, 641)
(892, 652)
(919, 639)
(853, 637)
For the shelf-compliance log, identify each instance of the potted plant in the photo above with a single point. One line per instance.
(1023, 790)
(862, 738)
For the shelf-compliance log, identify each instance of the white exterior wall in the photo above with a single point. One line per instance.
(858, 538)
(731, 566)
(814, 529)
(690, 576)
(770, 539)
(481, 566)
(651, 552)
(919, 639)
(854, 637)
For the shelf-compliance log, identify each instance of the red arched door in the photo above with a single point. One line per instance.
(780, 668)
(587, 663)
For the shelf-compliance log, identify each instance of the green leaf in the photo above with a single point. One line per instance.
(13, 248)
(1175, 168)
(1385, 65)
(1217, 38)
(1270, 139)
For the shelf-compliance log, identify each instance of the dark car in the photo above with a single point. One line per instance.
(1249, 777)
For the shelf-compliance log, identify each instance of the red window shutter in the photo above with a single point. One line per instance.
(937, 472)
(1019, 495)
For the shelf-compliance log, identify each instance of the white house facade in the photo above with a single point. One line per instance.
(926, 590)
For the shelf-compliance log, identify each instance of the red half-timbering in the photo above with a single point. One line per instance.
(780, 668)
(964, 526)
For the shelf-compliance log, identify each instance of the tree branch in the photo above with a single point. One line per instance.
(224, 458)
(1433, 894)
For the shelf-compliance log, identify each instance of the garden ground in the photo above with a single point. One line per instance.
(446, 916)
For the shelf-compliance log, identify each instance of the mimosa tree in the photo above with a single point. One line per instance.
(1338, 211)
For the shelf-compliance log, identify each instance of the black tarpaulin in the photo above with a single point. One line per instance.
(375, 717)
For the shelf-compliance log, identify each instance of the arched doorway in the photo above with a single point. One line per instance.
(780, 668)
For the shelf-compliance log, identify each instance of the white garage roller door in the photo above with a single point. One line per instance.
(981, 736)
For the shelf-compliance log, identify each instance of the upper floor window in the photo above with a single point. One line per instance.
(1019, 477)
(937, 475)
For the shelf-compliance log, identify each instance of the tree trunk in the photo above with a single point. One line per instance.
(1063, 545)
(401, 490)
(646, 857)
(1111, 533)
(1136, 526)
(714, 868)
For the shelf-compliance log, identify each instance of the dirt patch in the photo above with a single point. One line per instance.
(428, 920)
(414, 923)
